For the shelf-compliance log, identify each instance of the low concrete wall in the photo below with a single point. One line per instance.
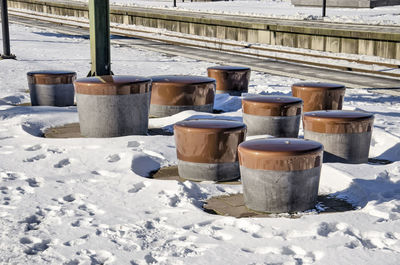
(357, 39)
(347, 3)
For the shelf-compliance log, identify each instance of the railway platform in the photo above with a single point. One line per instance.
(374, 40)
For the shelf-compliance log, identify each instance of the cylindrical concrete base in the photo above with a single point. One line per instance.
(168, 110)
(59, 95)
(346, 135)
(280, 175)
(233, 80)
(113, 115)
(350, 148)
(51, 88)
(319, 96)
(286, 126)
(208, 171)
(207, 149)
(171, 94)
(280, 191)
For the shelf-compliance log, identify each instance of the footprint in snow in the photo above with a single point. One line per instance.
(222, 236)
(247, 227)
(34, 148)
(247, 250)
(77, 242)
(91, 209)
(34, 182)
(325, 229)
(105, 173)
(169, 198)
(113, 158)
(82, 222)
(4, 190)
(35, 158)
(6, 201)
(97, 257)
(25, 189)
(10, 176)
(55, 150)
(62, 163)
(150, 259)
(26, 240)
(133, 144)
(297, 254)
(32, 222)
(139, 186)
(69, 198)
(301, 255)
(38, 247)
(371, 240)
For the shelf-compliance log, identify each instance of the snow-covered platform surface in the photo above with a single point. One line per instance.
(88, 201)
(388, 15)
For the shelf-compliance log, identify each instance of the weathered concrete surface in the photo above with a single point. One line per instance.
(347, 3)
(168, 110)
(59, 95)
(273, 125)
(303, 34)
(113, 115)
(72, 130)
(280, 191)
(350, 148)
(208, 171)
(69, 130)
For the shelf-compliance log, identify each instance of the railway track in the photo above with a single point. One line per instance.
(377, 75)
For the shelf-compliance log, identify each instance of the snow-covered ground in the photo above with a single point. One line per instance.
(389, 15)
(87, 201)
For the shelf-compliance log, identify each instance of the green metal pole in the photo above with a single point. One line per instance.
(99, 14)
(5, 32)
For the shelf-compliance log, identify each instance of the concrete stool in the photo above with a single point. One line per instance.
(111, 106)
(319, 96)
(273, 115)
(173, 94)
(280, 175)
(346, 135)
(51, 88)
(207, 149)
(230, 79)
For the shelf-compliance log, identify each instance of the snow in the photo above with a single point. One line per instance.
(387, 15)
(88, 201)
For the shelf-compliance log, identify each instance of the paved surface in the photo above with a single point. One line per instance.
(233, 205)
(352, 80)
(72, 130)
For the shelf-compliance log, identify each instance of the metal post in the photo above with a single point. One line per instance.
(174, 3)
(324, 8)
(6, 33)
(99, 14)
